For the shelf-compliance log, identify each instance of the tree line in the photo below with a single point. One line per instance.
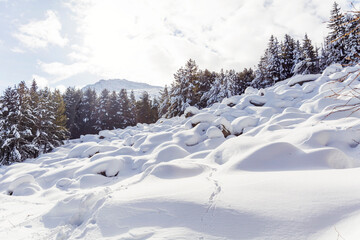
(35, 121)
(32, 121)
(281, 60)
(88, 113)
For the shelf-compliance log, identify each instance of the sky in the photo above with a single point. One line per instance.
(63, 43)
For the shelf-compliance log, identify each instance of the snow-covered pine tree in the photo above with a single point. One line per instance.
(273, 60)
(154, 110)
(310, 62)
(352, 38)
(143, 109)
(124, 109)
(10, 135)
(101, 110)
(215, 94)
(243, 80)
(298, 56)
(72, 99)
(206, 80)
(323, 58)
(87, 112)
(15, 144)
(268, 71)
(60, 133)
(27, 120)
(335, 41)
(133, 116)
(183, 91)
(114, 115)
(229, 83)
(164, 102)
(311, 55)
(45, 122)
(287, 57)
(260, 80)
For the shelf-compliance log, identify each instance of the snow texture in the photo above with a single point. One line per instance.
(274, 163)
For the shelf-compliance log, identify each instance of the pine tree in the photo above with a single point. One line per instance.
(60, 133)
(154, 110)
(298, 54)
(244, 80)
(261, 74)
(215, 94)
(269, 67)
(125, 110)
(184, 89)
(335, 41)
(287, 57)
(273, 60)
(72, 99)
(15, 144)
(164, 102)
(101, 110)
(351, 38)
(133, 115)
(45, 122)
(28, 119)
(114, 116)
(206, 80)
(87, 112)
(10, 135)
(323, 58)
(310, 62)
(143, 109)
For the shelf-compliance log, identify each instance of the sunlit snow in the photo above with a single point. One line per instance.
(287, 169)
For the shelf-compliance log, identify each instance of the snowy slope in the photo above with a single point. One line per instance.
(118, 84)
(288, 170)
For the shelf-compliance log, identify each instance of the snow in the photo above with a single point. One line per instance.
(274, 163)
(118, 84)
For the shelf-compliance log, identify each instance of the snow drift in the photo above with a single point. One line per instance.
(275, 163)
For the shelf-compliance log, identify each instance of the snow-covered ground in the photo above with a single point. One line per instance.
(286, 170)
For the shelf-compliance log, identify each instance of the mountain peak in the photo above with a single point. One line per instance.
(118, 84)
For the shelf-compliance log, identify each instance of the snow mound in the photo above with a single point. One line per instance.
(177, 170)
(23, 185)
(282, 156)
(78, 151)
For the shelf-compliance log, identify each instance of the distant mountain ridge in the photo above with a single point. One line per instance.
(118, 84)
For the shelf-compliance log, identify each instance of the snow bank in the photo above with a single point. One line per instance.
(278, 158)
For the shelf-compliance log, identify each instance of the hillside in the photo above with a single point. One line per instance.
(274, 163)
(118, 84)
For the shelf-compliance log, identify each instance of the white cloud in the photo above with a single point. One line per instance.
(62, 71)
(41, 81)
(61, 88)
(40, 34)
(149, 40)
(17, 50)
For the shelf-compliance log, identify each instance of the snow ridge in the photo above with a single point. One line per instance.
(269, 164)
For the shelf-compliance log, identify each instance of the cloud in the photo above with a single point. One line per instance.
(40, 34)
(149, 40)
(61, 88)
(41, 81)
(62, 71)
(17, 50)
